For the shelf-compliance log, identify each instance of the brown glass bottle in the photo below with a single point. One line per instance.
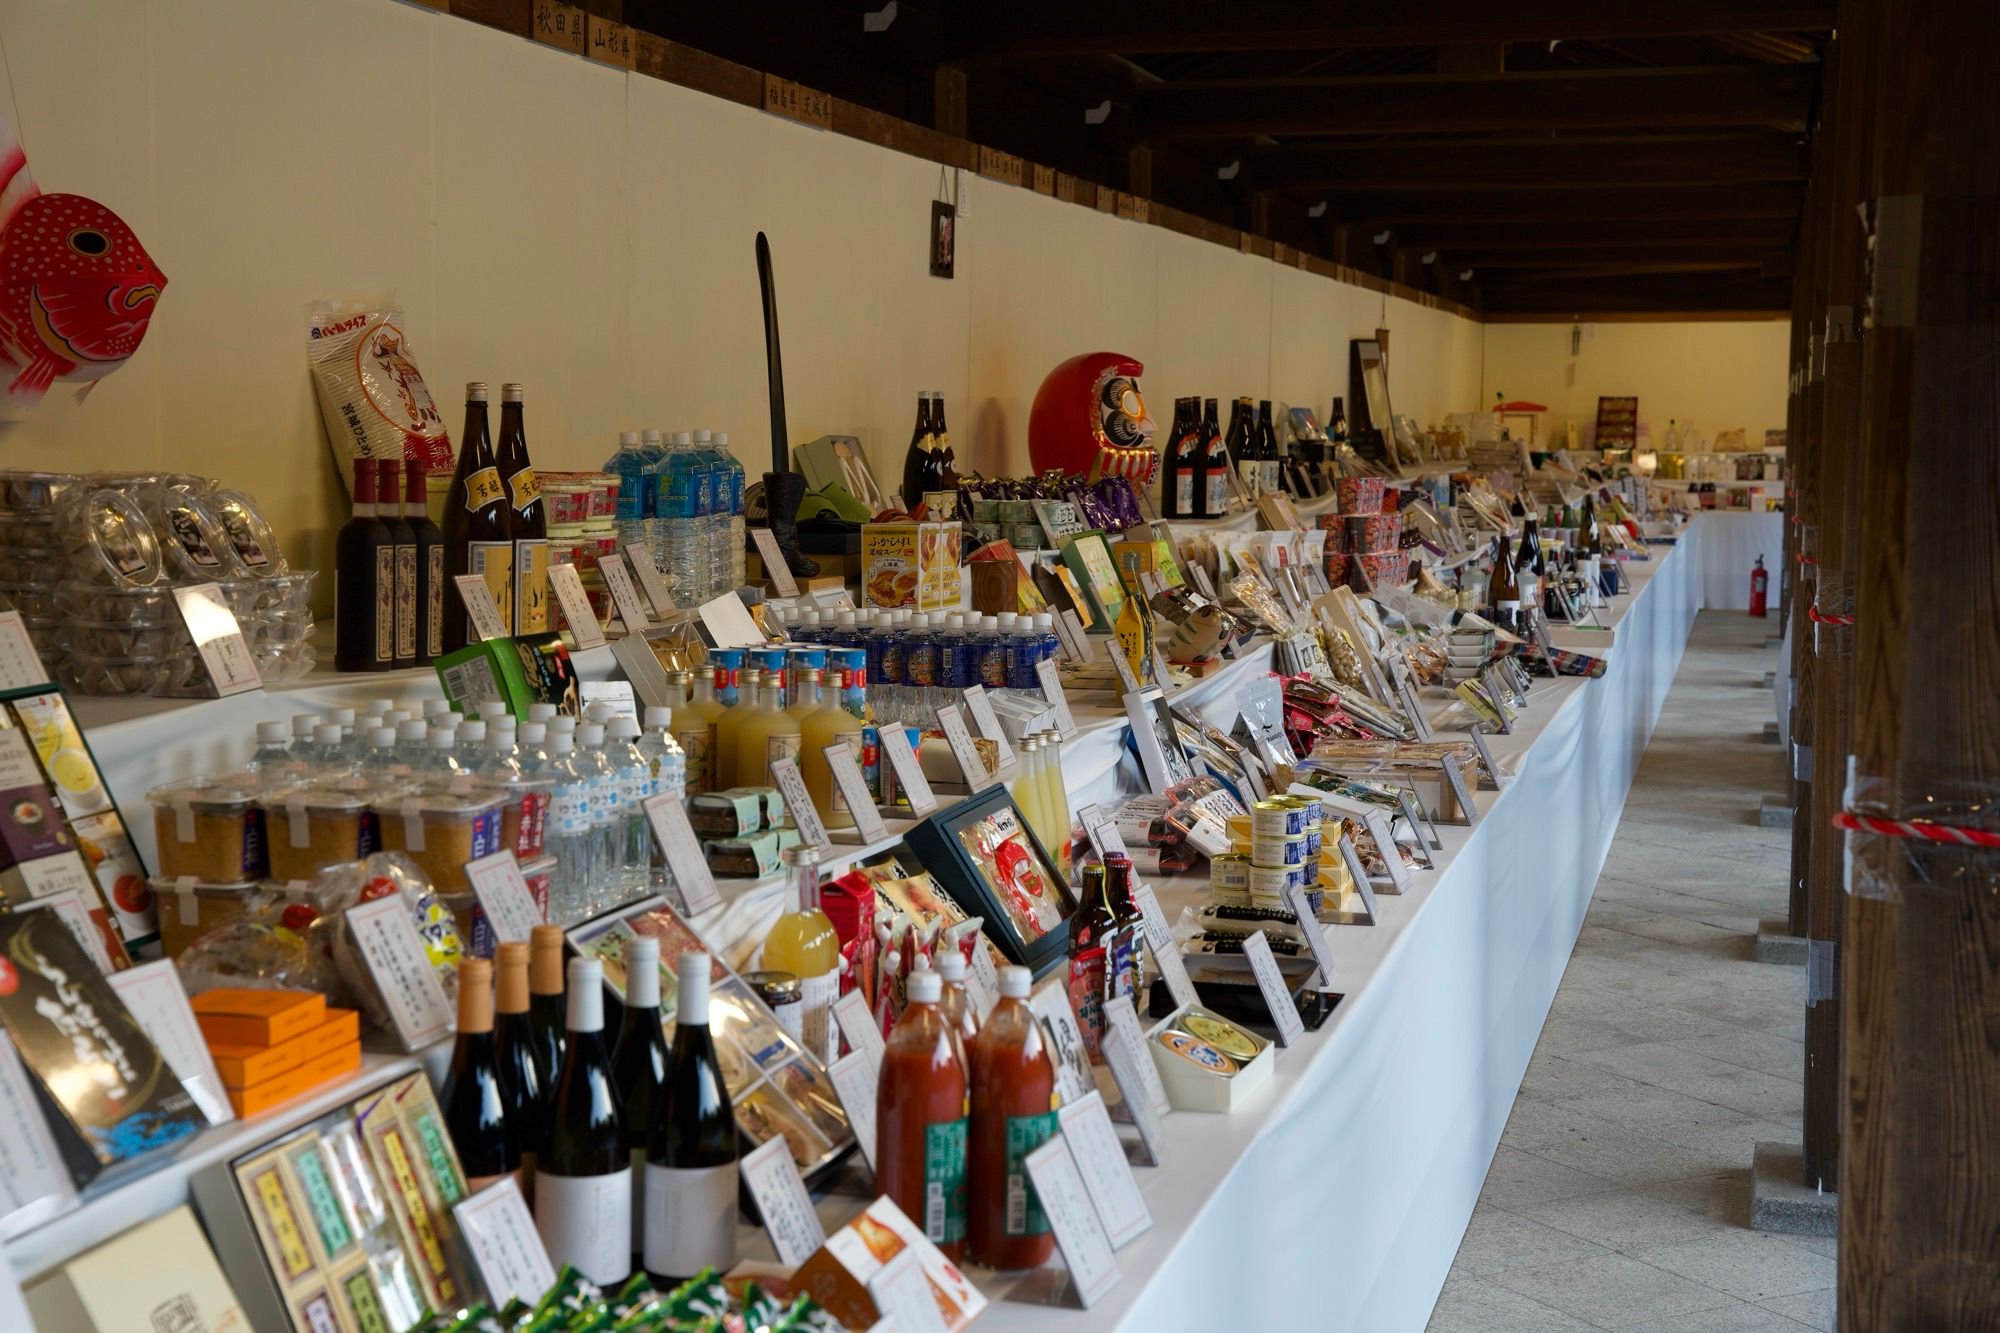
(528, 522)
(947, 462)
(478, 536)
(1096, 916)
(364, 589)
(430, 580)
(1211, 491)
(917, 462)
(1590, 541)
(403, 597)
(1503, 590)
(1125, 972)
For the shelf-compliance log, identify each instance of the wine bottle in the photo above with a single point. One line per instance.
(1212, 491)
(1503, 592)
(916, 462)
(403, 597)
(528, 522)
(521, 1082)
(364, 590)
(475, 1098)
(546, 1007)
(691, 1155)
(429, 585)
(477, 536)
(1267, 449)
(639, 1066)
(583, 1182)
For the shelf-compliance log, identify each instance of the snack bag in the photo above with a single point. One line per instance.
(370, 391)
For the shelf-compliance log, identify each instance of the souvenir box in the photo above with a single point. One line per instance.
(776, 1086)
(912, 564)
(1208, 1062)
(160, 1275)
(1088, 558)
(985, 856)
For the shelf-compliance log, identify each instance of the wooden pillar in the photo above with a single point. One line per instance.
(1139, 171)
(948, 100)
(1920, 1177)
(1842, 132)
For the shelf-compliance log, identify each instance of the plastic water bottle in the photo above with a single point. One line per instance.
(633, 782)
(663, 755)
(274, 750)
(531, 747)
(634, 504)
(605, 816)
(731, 571)
(321, 756)
(652, 448)
(410, 743)
(440, 765)
(994, 631)
(681, 482)
(383, 768)
(958, 658)
(708, 479)
(572, 833)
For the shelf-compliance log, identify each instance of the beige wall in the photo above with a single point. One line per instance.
(589, 233)
(1719, 374)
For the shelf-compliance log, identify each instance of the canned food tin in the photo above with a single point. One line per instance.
(1239, 828)
(1230, 871)
(1287, 851)
(1270, 882)
(1315, 809)
(1313, 844)
(1277, 819)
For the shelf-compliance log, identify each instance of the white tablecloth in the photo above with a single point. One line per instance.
(1730, 543)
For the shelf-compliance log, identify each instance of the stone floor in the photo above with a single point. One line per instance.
(1620, 1194)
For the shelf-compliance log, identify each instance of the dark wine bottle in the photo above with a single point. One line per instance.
(546, 1007)
(947, 461)
(389, 508)
(514, 1046)
(475, 1098)
(477, 534)
(691, 1153)
(639, 1066)
(364, 589)
(430, 562)
(1267, 449)
(583, 1182)
(1177, 491)
(917, 461)
(528, 521)
(1212, 491)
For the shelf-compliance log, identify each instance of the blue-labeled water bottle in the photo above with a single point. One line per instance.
(730, 531)
(885, 667)
(635, 505)
(922, 668)
(851, 666)
(958, 662)
(653, 448)
(1024, 647)
(728, 664)
(994, 632)
(771, 661)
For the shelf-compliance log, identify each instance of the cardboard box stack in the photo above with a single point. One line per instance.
(273, 1045)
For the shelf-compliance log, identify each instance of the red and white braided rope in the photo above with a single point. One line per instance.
(1920, 830)
(1819, 617)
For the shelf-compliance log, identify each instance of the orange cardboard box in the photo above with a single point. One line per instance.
(244, 1066)
(296, 1082)
(237, 1017)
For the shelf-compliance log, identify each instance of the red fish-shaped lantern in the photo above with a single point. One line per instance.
(76, 288)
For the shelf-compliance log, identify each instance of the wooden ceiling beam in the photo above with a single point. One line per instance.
(1571, 203)
(1505, 234)
(1778, 97)
(1515, 164)
(1744, 254)
(1061, 27)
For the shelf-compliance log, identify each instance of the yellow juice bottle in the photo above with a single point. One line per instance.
(1026, 788)
(825, 723)
(730, 723)
(694, 728)
(766, 733)
(1058, 843)
(804, 943)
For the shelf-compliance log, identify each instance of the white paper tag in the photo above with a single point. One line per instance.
(1315, 933)
(682, 851)
(1486, 759)
(775, 567)
(1067, 637)
(1079, 636)
(152, 992)
(1122, 1028)
(1351, 856)
(31, 1169)
(982, 981)
(624, 595)
(853, 789)
(1381, 829)
(959, 738)
(218, 638)
(1128, 679)
(567, 585)
(20, 665)
(504, 896)
(1067, 1053)
(647, 573)
(1107, 1176)
(505, 1245)
(854, 1080)
(902, 1295)
(1455, 779)
(1129, 1069)
(989, 726)
(389, 943)
(780, 1192)
(1166, 953)
(1052, 690)
(480, 608)
(729, 623)
(1086, 1250)
(1413, 705)
(857, 1025)
(785, 776)
(1271, 984)
(909, 774)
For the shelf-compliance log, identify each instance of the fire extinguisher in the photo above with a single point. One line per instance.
(1760, 582)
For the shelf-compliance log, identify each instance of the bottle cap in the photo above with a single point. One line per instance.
(590, 734)
(534, 733)
(432, 707)
(473, 732)
(303, 724)
(272, 733)
(382, 737)
(682, 439)
(340, 717)
(701, 437)
(721, 439)
(561, 743)
(512, 958)
(626, 437)
(951, 964)
(442, 738)
(412, 730)
(541, 712)
(1007, 619)
(475, 995)
(623, 728)
(924, 986)
(499, 741)
(510, 393)
(847, 620)
(652, 436)
(586, 995)
(691, 971)
(491, 708)
(327, 734)
(562, 723)
(395, 717)
(475, 392)
(658, 716)
(642, 972)
(545, 953)
(379, 706)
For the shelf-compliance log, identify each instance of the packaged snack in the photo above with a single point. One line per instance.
(371, 393)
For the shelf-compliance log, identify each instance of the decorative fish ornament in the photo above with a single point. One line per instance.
(76, 288)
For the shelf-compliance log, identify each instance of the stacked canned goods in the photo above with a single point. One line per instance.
(1275, 847)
